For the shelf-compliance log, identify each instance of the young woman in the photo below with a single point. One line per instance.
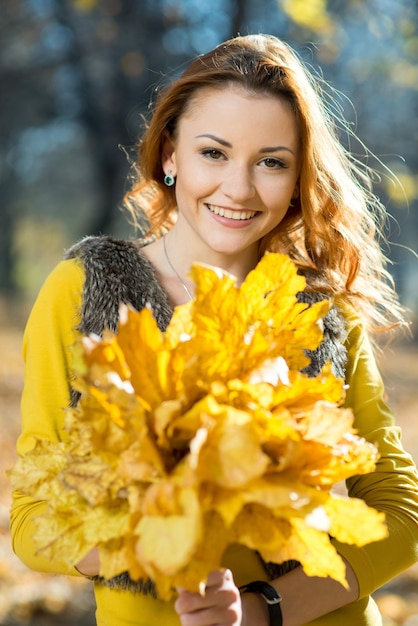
(240, 157)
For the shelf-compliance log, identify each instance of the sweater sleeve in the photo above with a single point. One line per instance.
(50, 332)
(393, 487)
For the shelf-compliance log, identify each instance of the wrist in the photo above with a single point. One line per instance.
(254, 610)
(268, 597)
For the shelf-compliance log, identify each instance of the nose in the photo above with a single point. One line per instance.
(238, 184)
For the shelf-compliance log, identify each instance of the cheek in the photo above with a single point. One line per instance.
(194, 182)
(188, 191)
(277, 198)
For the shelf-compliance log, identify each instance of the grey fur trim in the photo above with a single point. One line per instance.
(116, 272)
(125, 583)
(332, 348)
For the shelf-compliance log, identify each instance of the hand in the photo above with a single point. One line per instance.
(220, 606)
(90, 564)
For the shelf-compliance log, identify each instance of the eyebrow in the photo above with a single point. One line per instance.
(227, 144)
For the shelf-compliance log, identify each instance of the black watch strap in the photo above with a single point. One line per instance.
(270, 595)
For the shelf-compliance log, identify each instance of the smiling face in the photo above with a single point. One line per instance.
(236, 159)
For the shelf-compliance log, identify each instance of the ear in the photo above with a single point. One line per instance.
(168, 156)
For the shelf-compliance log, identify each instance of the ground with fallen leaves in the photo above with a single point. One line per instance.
(31, 599)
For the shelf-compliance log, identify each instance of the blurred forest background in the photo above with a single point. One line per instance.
(76, 77)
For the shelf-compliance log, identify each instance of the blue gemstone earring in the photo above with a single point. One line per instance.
(169, 180)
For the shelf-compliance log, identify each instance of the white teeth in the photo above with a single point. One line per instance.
(233, 215)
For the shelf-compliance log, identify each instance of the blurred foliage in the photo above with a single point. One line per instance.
(311, 14)
(77, 77)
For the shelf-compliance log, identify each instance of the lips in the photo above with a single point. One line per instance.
(231, 214)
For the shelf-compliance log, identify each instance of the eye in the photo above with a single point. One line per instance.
(212, 153)
(272, 163)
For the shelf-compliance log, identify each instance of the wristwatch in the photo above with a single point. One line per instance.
(270, 595)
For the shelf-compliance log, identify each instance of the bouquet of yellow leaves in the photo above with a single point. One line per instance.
(208, 434)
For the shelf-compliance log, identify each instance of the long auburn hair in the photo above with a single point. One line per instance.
(334, 230)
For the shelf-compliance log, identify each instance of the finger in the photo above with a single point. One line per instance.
(217, 578)
(190, 602)
(220, 592)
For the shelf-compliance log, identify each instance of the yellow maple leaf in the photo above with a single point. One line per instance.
(118, 555)
(142, 461)
(93, 478)
(354, 522)
(314, 550)
(146, 375)
(166, 541)
(253, 322)
(44, 460)
(259, 529)
(62, 533)
(207, 556)
(231, 454)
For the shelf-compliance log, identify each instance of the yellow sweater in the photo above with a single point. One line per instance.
(392, 488)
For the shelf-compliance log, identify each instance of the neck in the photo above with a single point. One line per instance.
(177, 275)
(185, 253)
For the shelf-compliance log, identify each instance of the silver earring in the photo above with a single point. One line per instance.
(292, 202)
(169, 179)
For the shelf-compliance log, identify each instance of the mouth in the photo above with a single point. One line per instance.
(232, 214)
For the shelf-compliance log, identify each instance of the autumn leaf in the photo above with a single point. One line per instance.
(345, 516)
(167, 537)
